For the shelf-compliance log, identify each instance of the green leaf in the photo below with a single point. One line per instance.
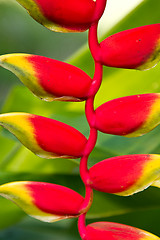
(107, 205)
(31, 229)
(24, 161)
(9, 213)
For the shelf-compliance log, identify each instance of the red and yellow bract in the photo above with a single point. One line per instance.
(125, 175)
(116, 231)
(44, 201)
(47, 78)
(137, 48)
(130, 116)
(62, 15)
(45, 137)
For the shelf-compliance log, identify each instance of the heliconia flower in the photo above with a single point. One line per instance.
(137, 48)
(44, 201)
(47, 78)
(62, 15)
(130, 116)
(116, 231)
(45, 137)
(125, 175)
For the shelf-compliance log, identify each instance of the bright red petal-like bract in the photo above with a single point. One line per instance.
(47, 78)
(62, 15)
(45, 137)
(116, 231)
(137, 48)
(125, 175)
(44, 201)
(130, 116)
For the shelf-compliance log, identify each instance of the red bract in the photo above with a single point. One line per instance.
(47, 78)
(62, 15)
(136, 48)
(116, 231)
(129, 116)
(44, 201)
(55, 136)
(125, 175)
(44, 136)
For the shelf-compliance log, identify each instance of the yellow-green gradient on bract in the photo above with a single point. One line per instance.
(149, 173)
(45, 137)
(153, 59)
(61, 15)
(35, 12)
(20, 125)
(47, 78)
(25, 71)
(43, 201)
(19, 194)
(152, 118)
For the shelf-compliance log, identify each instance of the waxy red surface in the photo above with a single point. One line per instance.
(130, 48)
(114, 231)
(124, 115)
(55, 199)
(57, 137)
(117, 174)
(59, 78)
(68, 13)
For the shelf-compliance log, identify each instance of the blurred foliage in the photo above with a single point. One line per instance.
(19, 33)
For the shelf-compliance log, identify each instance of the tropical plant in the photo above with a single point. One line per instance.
(130, 116)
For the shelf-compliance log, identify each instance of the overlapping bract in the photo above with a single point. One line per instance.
(47, 78)
(62, 15)
(116, 231)
(45, 137)
(130, 116)
(44, 201)
(137, 48)
(125, 175)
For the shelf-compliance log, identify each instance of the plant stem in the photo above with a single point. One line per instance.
(82, 226)
(84, 173)
(100, 7)
(90, 115)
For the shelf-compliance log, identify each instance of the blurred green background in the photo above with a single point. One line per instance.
(19, 33)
